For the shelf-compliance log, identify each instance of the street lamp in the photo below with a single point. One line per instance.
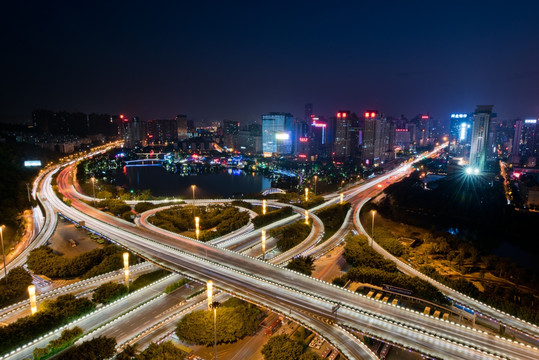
(193, 187)
(3, 253)
(264, 207)
(209, 290)
(93, 187)
(342, 198)
(372, 228)
(126, 269)
(263, 245)
(315, 181)
(307, 217)
(32, 295)
(306, 194)
(215, 305)
(197, 226)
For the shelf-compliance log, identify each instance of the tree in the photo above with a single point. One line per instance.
(101, 347)
(309, 355)
(302, 264)
(235, 319)
(104, 194)
(164, 351)
(108, 292)
(280, 347)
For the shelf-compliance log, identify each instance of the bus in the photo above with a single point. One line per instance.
(273, 327)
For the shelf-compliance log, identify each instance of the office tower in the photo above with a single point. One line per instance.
(161, 131)
(525, 141)
(230, 132)
(343, 127)
(460, 135)
(277, 134)
(181, 121)
(376, 145)
(308, 112)
(480, 133)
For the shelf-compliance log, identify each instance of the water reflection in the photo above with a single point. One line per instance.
(223, 183)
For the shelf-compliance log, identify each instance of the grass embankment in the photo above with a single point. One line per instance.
(215, 220)
(333, 217)
(370, 267)
(459, 265)
(291, 235)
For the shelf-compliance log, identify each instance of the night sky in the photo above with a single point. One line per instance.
(235, 60)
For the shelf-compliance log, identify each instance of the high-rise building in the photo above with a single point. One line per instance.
(181, 121)
(277, 134)
(342, 146)
(525, 141)
(460, 135)
(376, 144)
(162, 131)
(480, 134)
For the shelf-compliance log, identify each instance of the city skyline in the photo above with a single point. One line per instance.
(202, 61)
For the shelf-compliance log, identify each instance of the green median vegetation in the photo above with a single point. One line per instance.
(14, 287)
(235, 320)
(147, 279)
(51, 315)
(272, 216)
(291, 235)
(101, 347)
(99, 261)
(108, 292)
(333, 217)
(68, 337)
(176, 285)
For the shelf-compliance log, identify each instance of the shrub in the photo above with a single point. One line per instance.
(108, 292)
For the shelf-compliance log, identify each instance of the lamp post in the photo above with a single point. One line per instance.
(209, 290)
(197, 226)
(215, 305)
(3, 253)
(307, 217)
(264, 207)
(32, 295)
(342, 198)
(93, 187)
(315, 181)
(306, 194)
(126, 269)
(372, 228)
(263, 245)
(193, 187)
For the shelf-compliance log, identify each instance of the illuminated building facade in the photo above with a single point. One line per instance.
(480, 136)
(277, 134)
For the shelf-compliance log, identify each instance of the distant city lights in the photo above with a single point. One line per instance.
(459, 116)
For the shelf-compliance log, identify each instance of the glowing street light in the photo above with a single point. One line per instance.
(93, 187)
(342, 199)
(209, 290)
(315, 181)
(197, 226)
(193, 188)
(264, 207)
(215, 305)
(263, 245)
(3, 253)
(372, 228)
(126, 269)
(32, 294)
(306, 194)
(307, 217)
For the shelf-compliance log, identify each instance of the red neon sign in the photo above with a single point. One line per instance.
(303, 156)
(343, 115)
(367, 114)
(339, 115)
(303, 139)
(424, 117)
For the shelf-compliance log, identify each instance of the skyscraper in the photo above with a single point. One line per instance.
(277, 134)
(376, 138)
(480, 134)
(526, 141)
